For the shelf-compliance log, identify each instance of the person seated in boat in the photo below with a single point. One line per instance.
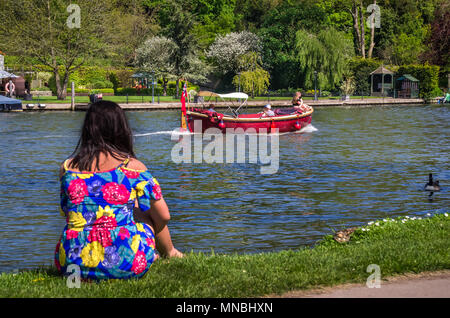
(445, 99)
(267, 111)
(297, 100)
(116, 215)
(211, 108)
(297, 103)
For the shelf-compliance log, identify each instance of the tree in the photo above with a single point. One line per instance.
(438, 41)
(127, 25)
(226, 50)
(252, 77)
(157, 55)
(187, 62)
(359, 22)
(50, 33)
(327, 53)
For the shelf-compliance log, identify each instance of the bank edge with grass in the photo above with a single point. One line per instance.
(397, 246)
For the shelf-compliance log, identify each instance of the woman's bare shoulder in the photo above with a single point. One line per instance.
(136, 164)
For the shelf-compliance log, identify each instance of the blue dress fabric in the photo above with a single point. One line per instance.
(101, 236)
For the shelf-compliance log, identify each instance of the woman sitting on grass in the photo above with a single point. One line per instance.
(113, 206)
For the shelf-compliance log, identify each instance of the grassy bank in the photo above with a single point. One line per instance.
(397, 246)
(148, 99)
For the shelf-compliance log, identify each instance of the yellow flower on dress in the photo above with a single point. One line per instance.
(82, 175)
(62, 256)
(92, 254)
(155, 181)
(140, 227)
(76, 221)
(140, 188)
(135, 243)
(105, 212)
(132, 195)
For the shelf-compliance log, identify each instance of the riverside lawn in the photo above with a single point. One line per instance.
(397, 246)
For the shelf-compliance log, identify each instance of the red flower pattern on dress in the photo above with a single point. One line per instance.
(115, 193)
(139, 263)
(124, 233)
(157, 191)
(130, 173)
(71, 234)
(101, 230)
(77, 191)
(151, 242)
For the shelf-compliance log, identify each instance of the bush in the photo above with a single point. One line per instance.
(102, 84)
(130, 91)
(89, 91)
(428, 75)
(361, 69)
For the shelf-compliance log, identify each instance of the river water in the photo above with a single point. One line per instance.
(352, 166)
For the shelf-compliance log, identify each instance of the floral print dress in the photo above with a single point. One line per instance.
(101, 236)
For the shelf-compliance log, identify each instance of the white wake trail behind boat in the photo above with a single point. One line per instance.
(308, 129)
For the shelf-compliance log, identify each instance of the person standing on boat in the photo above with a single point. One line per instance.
(267, 111)
(115, 213)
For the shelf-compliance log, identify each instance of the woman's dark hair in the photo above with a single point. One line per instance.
(105, 130)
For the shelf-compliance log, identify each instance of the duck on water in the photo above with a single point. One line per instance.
(432, 186)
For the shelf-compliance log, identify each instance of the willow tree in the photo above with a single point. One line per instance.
(252, 77)
(326, 53)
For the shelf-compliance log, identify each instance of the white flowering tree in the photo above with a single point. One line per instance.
(226, 50)
(157, 55)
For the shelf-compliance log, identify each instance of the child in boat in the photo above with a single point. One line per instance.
(267, 111)
(211, 108)
(115, 212)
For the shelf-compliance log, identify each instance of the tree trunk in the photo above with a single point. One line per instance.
(165, 81)
(61, 88)
(372, 34)
(355, 13)
(363, 35)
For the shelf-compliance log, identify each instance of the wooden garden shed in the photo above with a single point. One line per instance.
(407, 86)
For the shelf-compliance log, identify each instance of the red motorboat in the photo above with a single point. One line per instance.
(284, 119)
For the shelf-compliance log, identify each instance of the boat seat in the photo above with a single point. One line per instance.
(286, 111)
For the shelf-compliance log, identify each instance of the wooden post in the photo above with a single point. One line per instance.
(72, 102)
(371, 84)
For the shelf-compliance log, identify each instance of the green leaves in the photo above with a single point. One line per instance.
(327, 53)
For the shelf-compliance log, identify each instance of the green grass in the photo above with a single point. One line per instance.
(85, 99)
(397, 247)
(148, 99)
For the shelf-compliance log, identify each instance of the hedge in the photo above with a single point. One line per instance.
(91, 91)
(428, 75)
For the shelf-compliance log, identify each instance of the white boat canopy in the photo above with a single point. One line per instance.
(230, 95)
(242, 97)
(234, 95)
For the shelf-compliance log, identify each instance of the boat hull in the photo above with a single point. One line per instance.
(200, 121)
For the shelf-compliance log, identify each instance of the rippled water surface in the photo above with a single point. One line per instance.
(354, 165)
